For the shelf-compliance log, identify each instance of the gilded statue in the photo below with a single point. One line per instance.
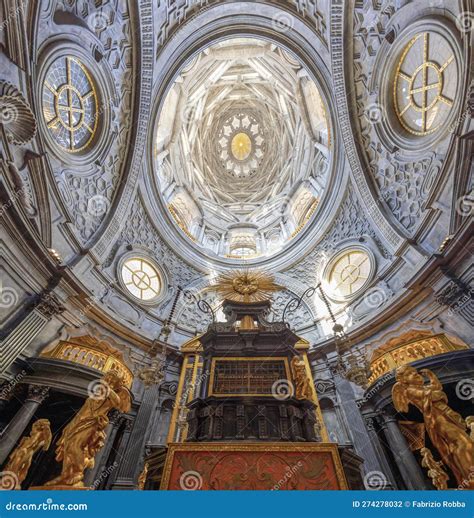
(445, 427)
(20, 460)
(435, 469)
(470, 426)
(303, 389)
(142, 477)
(85, 434)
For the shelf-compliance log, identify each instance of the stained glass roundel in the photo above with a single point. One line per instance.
(425, 83)
(70, 104)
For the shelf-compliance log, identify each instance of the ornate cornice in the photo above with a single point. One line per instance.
(49, 305)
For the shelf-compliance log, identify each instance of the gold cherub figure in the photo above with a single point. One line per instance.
(20, 460)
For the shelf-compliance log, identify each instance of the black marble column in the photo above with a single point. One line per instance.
(131, 460)
(361, 440)
(375, 439)
(12, 433)
(100, 461)
(407, 464)
(6, 393)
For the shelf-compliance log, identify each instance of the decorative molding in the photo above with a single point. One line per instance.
(350, 223)
(49, 305)
(404, 168)
(15, 31)
(144, 89)
(338, 51)
(173, 14)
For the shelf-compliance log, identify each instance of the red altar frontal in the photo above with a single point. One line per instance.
(253, 466)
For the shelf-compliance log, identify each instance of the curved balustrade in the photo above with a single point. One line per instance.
(92, 353)
(391, 356)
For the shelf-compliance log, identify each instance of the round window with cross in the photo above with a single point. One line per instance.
(425, 83)
(70, 104)
(141, 278)
(348, 272)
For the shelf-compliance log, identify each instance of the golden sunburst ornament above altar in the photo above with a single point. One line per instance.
(246, 286)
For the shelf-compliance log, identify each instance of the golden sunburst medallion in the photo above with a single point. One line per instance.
(246, 286)
(241, 146)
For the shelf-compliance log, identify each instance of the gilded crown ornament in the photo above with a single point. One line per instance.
(246, 286)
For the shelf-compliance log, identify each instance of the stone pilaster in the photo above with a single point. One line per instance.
(94, 474)
(375, 439)
(30, 327)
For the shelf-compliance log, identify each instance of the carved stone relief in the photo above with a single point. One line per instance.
(138, 230)
(88, 195)
(172, 13)
(403, 179)
(350, 222)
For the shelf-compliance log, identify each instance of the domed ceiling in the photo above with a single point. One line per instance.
(242, 149)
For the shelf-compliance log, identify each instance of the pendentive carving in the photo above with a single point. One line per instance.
(403, 180)
(345, 116)
(351, 222)
(90, 193)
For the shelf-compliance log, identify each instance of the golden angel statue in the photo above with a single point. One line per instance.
(435, 469)
(445, 427)
(85, 434)
(20, 460)
(142, 477)
(302, 382)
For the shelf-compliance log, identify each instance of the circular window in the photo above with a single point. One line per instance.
(141, 278)
(70, 104)
(425, 83)
(348, 272)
